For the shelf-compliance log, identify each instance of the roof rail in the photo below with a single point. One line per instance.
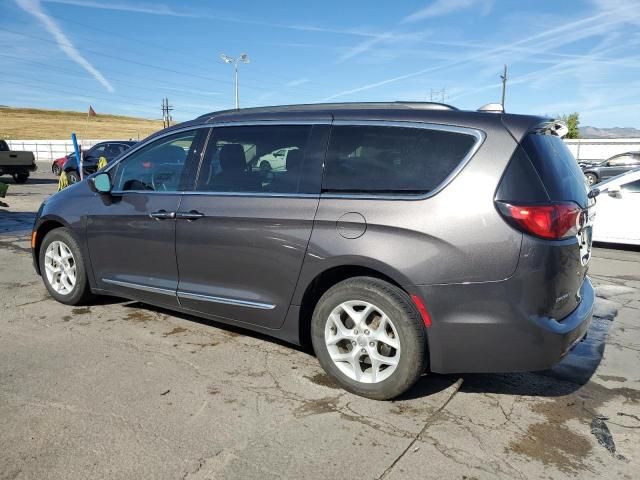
(492, 107)
(427, 105)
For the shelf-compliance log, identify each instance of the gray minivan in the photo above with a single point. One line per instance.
(397, 238)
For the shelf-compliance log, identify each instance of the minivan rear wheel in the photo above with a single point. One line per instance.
(369, 337)
(62, 268)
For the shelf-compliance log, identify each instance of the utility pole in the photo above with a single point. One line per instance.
(435, 94)
(166, 113)
(504, 85)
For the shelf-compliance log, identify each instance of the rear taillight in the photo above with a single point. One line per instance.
(550, 221)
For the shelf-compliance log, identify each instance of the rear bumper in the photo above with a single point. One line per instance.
(17, 169)
(483, 328)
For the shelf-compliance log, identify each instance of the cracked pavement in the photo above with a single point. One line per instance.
(124, 390)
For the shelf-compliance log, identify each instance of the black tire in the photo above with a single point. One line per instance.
(592, 178)
(20, 177)
(81, 292)
(56, 170)
(397, 305)
(73, 176)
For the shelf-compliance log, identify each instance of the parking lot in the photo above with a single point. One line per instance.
(124, 390)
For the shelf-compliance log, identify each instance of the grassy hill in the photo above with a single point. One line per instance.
(32, 123)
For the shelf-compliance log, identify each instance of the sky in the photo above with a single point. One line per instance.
(124, 56)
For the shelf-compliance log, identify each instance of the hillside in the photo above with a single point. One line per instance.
(31, 123)
(615, 132)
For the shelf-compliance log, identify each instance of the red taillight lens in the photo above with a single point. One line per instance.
(553, 222)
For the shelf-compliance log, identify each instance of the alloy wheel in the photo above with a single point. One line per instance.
(362, 341)
(60, 267)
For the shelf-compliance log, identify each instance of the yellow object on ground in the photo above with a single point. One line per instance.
(63, 182)
(102, 163)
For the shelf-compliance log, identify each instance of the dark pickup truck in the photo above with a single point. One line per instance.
(17, 164)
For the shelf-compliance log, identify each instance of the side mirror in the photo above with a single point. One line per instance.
(615, 192)
(101, 183)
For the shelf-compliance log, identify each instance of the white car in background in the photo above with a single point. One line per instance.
(618, 210)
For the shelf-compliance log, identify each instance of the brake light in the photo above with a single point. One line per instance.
(550, 221)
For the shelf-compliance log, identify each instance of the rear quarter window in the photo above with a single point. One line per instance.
(381, 159)
(558, 170)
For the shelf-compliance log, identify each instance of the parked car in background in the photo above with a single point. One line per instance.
(18, 164)
(90, 158)
(58, 163)
(396, 237)
(618, 210)
(616, 165)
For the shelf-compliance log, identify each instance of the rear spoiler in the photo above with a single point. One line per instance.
(555, 127)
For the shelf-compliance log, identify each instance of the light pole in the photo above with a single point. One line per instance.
(244, 58)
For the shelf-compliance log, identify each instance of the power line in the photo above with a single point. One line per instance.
(135, 62)
(191, 66)
(88, 95)
(165, 48)
(65, 72)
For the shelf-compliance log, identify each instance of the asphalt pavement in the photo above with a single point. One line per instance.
(120, 389)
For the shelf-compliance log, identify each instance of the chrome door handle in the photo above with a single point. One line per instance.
(163, 215)
(191, 215)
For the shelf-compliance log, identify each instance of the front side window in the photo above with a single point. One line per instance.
(254, 159)
(158, 166)
(621, 161)
(380, 159)
(95, 152)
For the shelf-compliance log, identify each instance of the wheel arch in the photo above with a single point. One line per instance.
(44, 227)
(323, 280)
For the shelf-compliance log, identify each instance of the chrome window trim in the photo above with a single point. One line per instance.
(479, 135)
(255, 194)
(137, 286)
(246, 123)
(225, 301)
(133, 149)
(262, 123)
(221, 194)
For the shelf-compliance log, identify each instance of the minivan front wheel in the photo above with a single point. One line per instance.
(592, 179)
(369, 337)
(62, 268)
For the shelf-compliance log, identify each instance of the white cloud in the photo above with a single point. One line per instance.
(34, 8)
(600, 23)
(439, 8)
(165, 10)
(297, 82)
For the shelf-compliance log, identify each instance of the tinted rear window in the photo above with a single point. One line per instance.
(556, 167)
(373, 159)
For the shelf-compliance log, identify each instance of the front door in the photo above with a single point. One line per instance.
(616, 166)
(242, 235)
(131, 232)
(615, 213)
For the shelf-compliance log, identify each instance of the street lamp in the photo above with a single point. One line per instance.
(244, 58)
